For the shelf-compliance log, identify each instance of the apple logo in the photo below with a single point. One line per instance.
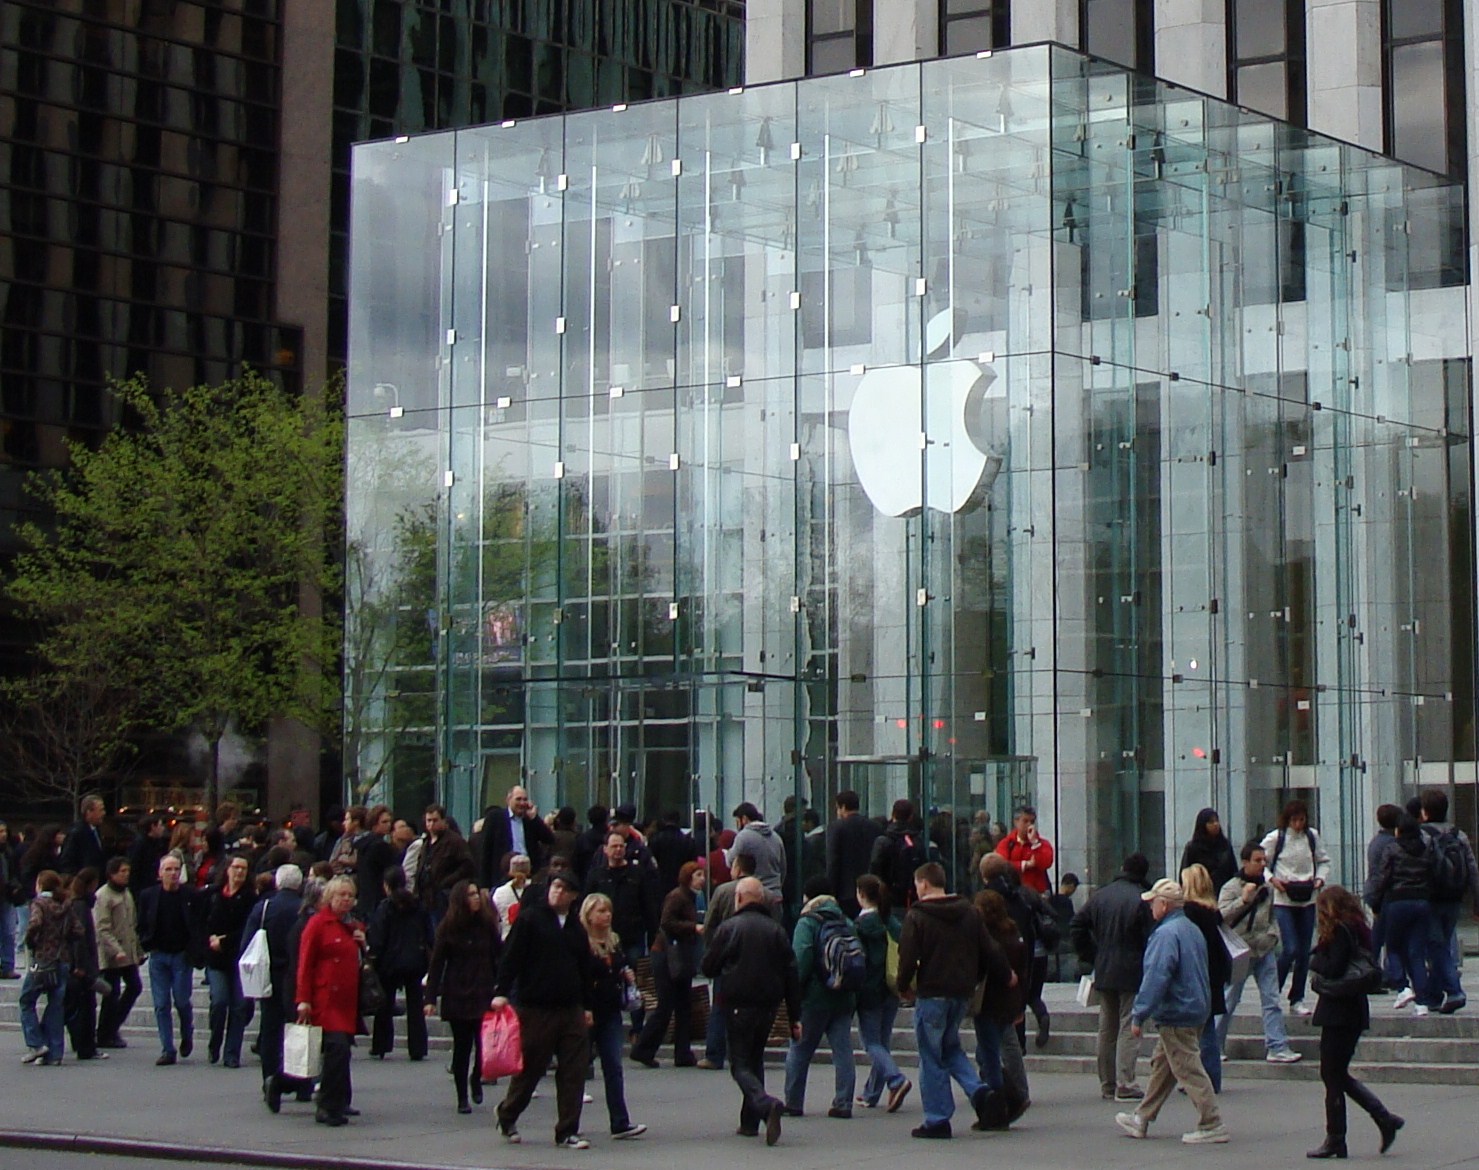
(885, 420)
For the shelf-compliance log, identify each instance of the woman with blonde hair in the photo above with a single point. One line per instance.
(1342, 1014)
(1201, 908)
(328, 992)
(608, 999)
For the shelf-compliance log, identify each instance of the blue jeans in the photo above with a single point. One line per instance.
(228, 1012)
(1391, 967)
(608, 1035)
(1408, 925)
(1211, 1053)
(170, 974)
(1265, 971)
(876, 1028)
(837, 1027)
(716, 1046)
(46, 1032)
(941, 1058)
(1442, 953)
(1296, 933)
(988, 1052)
(7, 935)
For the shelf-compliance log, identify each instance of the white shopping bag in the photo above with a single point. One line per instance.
(255, 968)
(302, 1051)
(1086, 996)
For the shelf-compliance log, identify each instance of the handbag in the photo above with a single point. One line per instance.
(372, 997)
(302, 1051)
(255, 968)
(1299, 892)
(45, 974)
(1361, 977)
(502, 1044)
(631, 997)
(682, 959)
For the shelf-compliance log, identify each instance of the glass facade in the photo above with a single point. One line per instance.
(824, 435)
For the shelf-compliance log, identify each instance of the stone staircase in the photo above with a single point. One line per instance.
(1398, 1049)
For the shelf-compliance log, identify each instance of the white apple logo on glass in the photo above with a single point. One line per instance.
(883, 428)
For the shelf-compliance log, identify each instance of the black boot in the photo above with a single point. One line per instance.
(1334, 1147)
(1389, 1125)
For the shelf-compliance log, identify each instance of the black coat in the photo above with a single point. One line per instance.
(671, 847)
(194, 921)
(464, 970)
(1215, 854)
(849, 851)
(226, 916)
(400, 937)
(498, 844)
(752, 955)
(1208, 919)
(1110, 932)
(588, 848)
(608, 982)
(1406, 872)
(82, 848)
(1330, 960)
(551, 964)
(635, 903)
(375, 854)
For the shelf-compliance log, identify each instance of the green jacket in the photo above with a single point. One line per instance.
(874, 932)
(815, 994)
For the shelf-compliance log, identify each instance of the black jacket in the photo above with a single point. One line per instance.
(588, 848)
(1406, 872)
(671, 847)
(551, 964)
(634, 899)
(1110, 932)
(849, 852)
(1330, 960)
(1208, 919)
(194, 920)
(1215, 854)
(226, 916)
(498, 844)
(752, 955)
(144, 856)
(374, 855)
(82, 848)
(464, 970)
(442, 865)
(608, 982)
(400, 938)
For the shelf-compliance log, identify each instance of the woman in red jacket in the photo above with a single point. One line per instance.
(328, 992)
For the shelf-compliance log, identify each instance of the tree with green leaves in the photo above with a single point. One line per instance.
(187, 556)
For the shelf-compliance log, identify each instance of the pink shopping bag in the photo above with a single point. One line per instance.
(503, 1048)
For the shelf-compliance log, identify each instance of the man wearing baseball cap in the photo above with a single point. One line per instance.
(1177, 993)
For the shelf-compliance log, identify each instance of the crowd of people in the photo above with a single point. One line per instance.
(557, 922)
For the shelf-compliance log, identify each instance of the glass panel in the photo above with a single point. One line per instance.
(1415, 18)
(1418, 97)
(967, 35)
(834, 55)
(1260, 28)
(1110, 30)
(1265, 88)
(833, 16)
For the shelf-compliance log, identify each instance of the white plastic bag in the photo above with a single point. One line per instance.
(1086, 996)
(302, 1051)
(255, 968)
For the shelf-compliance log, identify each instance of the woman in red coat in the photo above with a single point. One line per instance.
(328, 992)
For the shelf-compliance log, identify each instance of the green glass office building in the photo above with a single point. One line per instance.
(1009, 427)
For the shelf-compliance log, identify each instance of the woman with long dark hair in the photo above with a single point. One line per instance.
(673, 969)
(230, 902)
(401, 938)
(613, 976)
(999, 1059)
(81, 1007)
(50, 935)
(1298, 867)
(878, 1005)
(1210, 848)
(1342, 1014)
(463, 972)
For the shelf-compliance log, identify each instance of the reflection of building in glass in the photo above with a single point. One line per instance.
(991, 429)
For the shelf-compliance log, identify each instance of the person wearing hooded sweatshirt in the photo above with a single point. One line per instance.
(764, 846)
(1404, 891)
(824, 1011)
(944, 952)
(1210, 848)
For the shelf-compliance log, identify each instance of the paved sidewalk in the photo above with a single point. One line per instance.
(409, 1119)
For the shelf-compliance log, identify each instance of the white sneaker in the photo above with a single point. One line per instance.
(1301, 1009)
(1404, 997)
(1214, 1136)
(1284, 1056)
(1132, 1123)
(1419, 1011)
(586, 1098)
(574, 1142)
(631, 1131)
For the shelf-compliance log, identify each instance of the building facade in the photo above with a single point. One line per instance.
(1007, 427)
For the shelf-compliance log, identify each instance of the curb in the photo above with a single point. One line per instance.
(78, 1143)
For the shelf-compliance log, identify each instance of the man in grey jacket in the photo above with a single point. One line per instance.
(1177, 993)
(1247, 907)
(764, 846)
(1110, 932)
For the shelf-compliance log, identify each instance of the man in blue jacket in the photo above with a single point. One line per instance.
(1177, 993)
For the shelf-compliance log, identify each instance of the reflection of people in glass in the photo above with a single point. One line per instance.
(501, 635)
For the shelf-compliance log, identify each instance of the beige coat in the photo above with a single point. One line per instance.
(116, 922)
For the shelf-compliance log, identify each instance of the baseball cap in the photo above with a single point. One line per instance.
(1167, 889)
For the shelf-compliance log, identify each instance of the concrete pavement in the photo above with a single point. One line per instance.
(201, 1113)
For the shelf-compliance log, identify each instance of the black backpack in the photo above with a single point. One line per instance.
(1450, 867)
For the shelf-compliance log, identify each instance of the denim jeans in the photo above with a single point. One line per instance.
(1391, 968)
(607, 1033)
(937, 1023)
(170, 976)
(837, 1027)
(1265, 972)
(228, 1012)
(47, 1031)
(1443, 954)
(1296, 934)
(716, 1046)
(7, 935)
(876, 1029)
(988, 1052)
(1409, 923)
(1211, 1052)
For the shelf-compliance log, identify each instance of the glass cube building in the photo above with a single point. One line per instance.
(1003, 429)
